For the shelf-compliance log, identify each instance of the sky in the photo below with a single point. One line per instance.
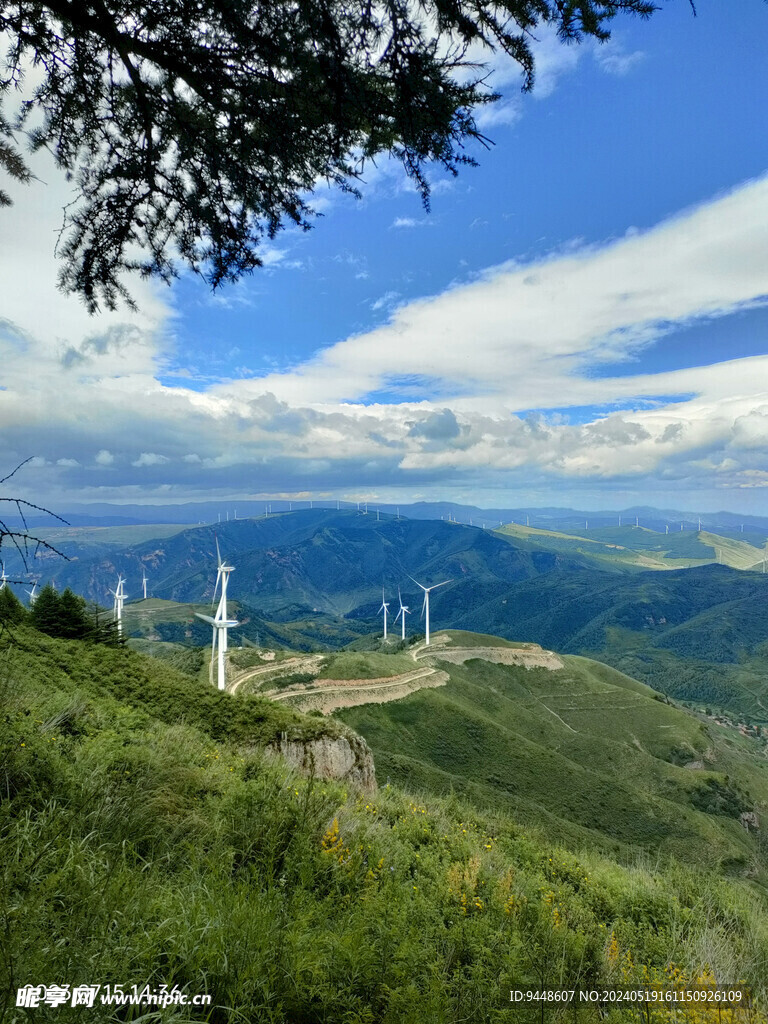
(582, 320)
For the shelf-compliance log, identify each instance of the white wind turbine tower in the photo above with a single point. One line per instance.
(219, 621)
(425, 606)
(384, 608)
(144, 584)
(117, 608)
(3, 578)
(403, 609)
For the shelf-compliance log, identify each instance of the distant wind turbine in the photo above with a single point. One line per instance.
(425, 606)
(384, 608)
(3, 578)
(403, 610)
(219, 622)
(144, 584)
(117, 608)
(32, 594)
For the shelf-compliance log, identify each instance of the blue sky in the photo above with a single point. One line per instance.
(580, 320)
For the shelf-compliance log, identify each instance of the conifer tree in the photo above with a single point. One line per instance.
(12, 611)
(73, 623)
(45, 614)
(197, 130)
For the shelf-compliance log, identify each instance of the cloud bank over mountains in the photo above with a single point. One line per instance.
(528, 376)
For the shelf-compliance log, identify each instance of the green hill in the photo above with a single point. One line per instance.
(591, 753)
(145, 838)
(696, 634)
(637, 547)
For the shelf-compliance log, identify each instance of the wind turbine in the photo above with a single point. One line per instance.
(144, 584)
(219, 621)
(117, 608)
(425, 606)
(403, 609)
(384, 608)
(32, 595)
(3, 578)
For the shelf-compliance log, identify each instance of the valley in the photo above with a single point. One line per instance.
(311, 580)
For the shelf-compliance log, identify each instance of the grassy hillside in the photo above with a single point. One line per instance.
(637, 547)
(145, 840)
(594, 754)
(696, 634)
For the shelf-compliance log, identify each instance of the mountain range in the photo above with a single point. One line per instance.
(315, 577)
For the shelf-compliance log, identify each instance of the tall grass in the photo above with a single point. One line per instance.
(135, 850)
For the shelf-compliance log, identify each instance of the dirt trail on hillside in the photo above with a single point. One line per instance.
(304, 663)
(327, 695)
(530, 656)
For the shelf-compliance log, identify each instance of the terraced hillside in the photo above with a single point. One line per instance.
(324, 683)
(570, 743)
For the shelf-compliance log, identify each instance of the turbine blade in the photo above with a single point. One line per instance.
(218, 553)
(440, 584)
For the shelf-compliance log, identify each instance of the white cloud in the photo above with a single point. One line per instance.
(616, 62)
(531, 335)
(461, 369)
(385, 301)
(150, 459)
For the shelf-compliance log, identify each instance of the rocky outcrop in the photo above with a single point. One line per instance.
(347, 758)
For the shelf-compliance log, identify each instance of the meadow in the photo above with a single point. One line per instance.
(145, 839)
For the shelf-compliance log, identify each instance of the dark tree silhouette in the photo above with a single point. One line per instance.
(198, 129)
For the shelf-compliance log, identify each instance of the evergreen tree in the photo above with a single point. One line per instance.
(12, 611)
(45, 611)
(73, 623)
(102, 627)
(199, 129)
